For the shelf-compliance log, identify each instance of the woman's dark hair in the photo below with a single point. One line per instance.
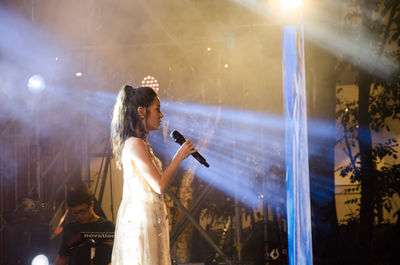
(125, 119)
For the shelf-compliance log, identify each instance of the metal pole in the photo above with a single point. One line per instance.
(104, 179)
(86, 156)
(15, 167)
(37, 145)
(37, 142)
(85, 81)
(265, 223)
(32, 10)
(197, 226)
(1, 209)
(238, 231)
(180, 226)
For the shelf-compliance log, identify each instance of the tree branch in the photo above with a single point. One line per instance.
(387, 30)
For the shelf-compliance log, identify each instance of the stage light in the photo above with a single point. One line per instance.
(36, 84)
(226, 65)
(209, 49)
(150, 81)
(78, 74)
(40, 260)
(291, 4)
(237, 160)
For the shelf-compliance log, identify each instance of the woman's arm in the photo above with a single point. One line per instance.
(140, 158)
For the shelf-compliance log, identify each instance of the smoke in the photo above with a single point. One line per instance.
(198, 51)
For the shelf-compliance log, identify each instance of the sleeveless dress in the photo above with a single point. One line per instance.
(142, 231)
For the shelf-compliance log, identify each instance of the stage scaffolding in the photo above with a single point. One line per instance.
(62, 161)
(45, 164)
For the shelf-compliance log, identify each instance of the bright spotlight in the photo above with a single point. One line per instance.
(40, 260)
(291, 4)
(36, 84)
(78, 74)
(150, 81)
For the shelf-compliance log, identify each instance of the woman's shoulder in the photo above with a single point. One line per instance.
(134, 140)
(135, 143)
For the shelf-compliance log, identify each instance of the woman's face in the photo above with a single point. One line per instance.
(154, 115)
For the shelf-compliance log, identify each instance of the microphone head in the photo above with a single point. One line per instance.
(178, 137)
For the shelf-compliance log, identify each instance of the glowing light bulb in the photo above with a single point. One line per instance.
(40, 260)
(150, 81)
(36, 84)
(291, 4)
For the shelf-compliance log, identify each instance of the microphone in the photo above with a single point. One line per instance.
(178, 138)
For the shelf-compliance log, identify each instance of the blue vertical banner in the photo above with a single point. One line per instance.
(296, 147)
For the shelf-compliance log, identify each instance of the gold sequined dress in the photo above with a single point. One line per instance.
(142, 232)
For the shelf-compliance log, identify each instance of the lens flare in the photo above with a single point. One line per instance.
(36, 84)
(40, 260)
(291, 4)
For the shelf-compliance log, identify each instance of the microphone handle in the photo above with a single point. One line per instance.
(201, 159)
(178, 137)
